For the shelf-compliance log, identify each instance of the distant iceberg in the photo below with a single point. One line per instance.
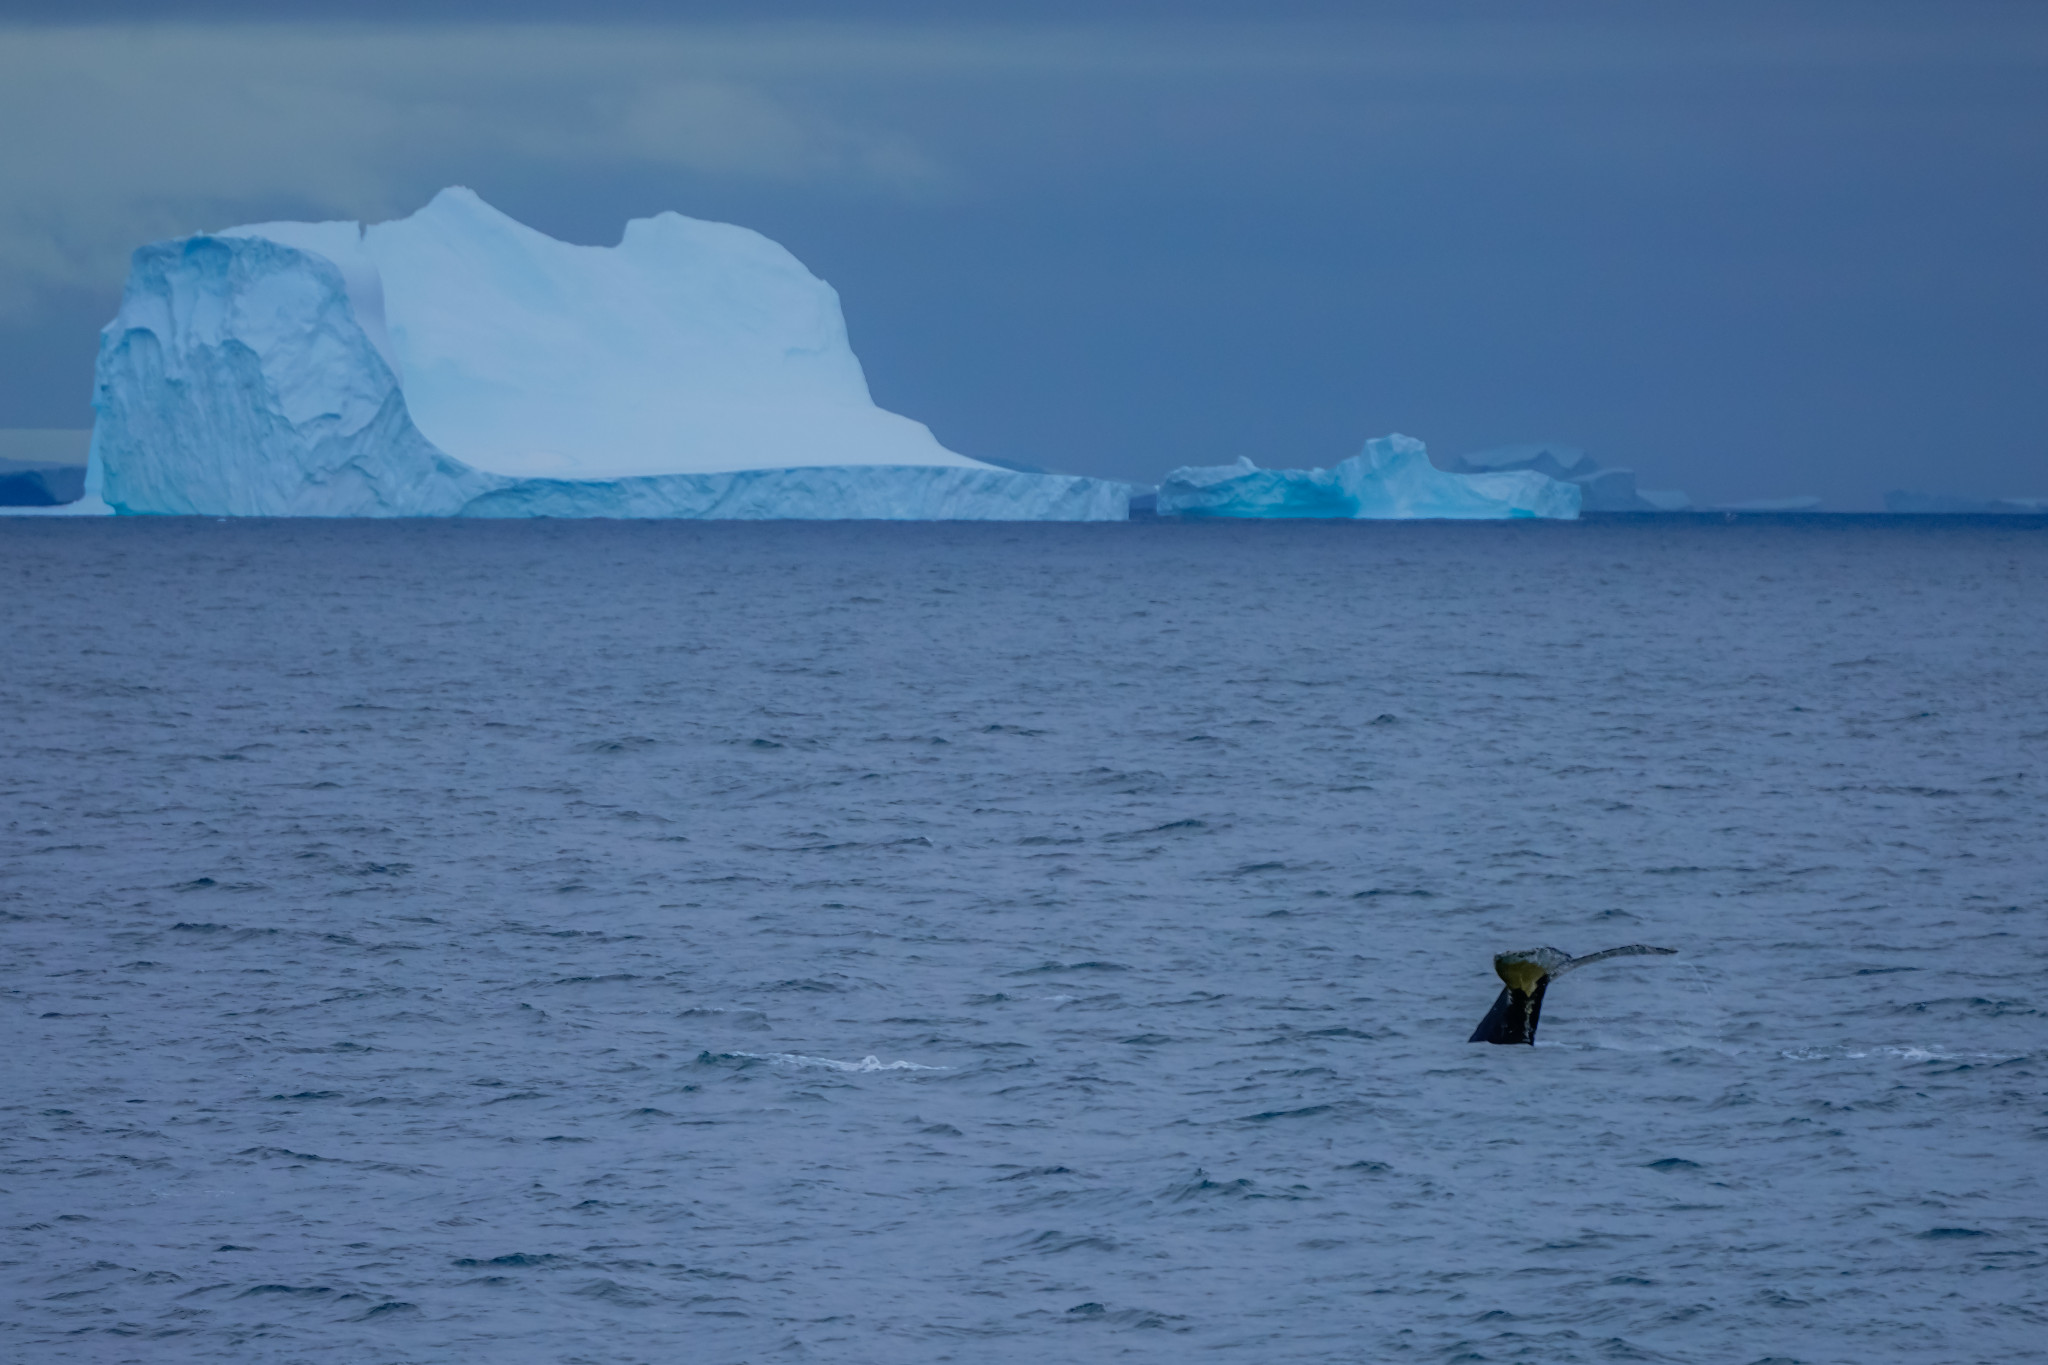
(1391, 479)
(41, 467)
(1899, 500)
(1805, 504)
(1601, 490)
(458, 363)
(40, 485)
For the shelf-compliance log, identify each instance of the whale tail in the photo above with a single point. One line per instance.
(1526, 975)
(1513, 1016)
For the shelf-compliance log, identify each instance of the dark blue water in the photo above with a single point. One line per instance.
(573, 942)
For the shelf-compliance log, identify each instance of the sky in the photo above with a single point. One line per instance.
(1749, 250)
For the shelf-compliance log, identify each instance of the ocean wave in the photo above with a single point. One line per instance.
(832, 1064)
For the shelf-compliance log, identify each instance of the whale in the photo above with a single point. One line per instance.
(1526, 975)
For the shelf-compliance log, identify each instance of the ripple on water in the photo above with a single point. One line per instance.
(563, 941)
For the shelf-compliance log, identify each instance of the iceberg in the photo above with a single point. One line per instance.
(40, 485)
(1390, 479)
(1601, 490)
(41, 467)
(1803, 504)
(459, 363)
(1900, 500)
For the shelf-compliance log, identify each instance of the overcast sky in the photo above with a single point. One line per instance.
(1750, 250)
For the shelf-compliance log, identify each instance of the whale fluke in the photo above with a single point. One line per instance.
(1528, 975)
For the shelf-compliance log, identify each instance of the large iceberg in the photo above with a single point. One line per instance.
(1390, 479)
(458, 363)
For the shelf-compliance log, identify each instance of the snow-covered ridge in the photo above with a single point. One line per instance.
(459, 363)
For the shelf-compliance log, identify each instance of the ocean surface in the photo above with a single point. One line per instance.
(591, 942)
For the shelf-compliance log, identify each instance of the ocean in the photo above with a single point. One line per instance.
(680, 942)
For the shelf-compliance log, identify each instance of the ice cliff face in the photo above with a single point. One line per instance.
(457, 363)
(1391, 478)
(236, 381)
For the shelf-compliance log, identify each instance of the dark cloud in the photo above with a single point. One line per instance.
(673, 11)
(1753, 251)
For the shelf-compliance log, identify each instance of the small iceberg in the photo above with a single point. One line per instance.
(1901, 500)
(1390, 480)
(1600, 489)
(41, 467)
(28, 485)
(1806, 504)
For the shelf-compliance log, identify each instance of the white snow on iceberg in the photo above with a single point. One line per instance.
(1390, 479)
(457, 363)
